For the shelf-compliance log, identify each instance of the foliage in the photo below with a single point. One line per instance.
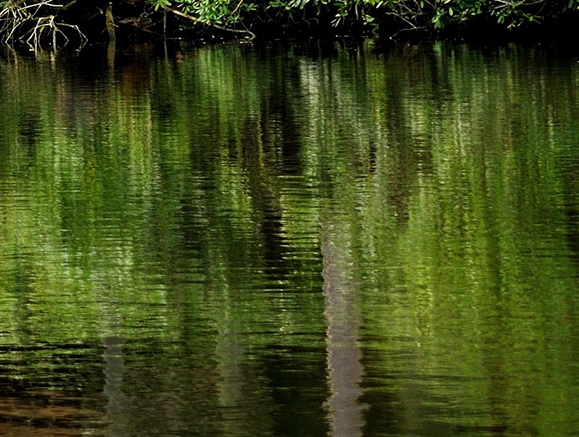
(41, 23)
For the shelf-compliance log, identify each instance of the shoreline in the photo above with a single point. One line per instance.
(129, 21)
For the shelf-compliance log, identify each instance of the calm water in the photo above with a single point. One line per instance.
(290, 241)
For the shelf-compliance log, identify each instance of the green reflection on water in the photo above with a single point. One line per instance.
(293, 240)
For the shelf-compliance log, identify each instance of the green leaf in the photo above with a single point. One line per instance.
(161, 4)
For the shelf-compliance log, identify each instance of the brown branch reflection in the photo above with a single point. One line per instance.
(344, 367)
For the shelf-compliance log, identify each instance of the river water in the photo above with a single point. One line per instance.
(319, 239)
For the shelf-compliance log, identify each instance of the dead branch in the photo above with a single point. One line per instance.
(29, 24)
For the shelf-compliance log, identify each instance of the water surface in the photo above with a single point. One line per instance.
(290, 240)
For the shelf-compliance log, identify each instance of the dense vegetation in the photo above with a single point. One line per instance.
(39, 23)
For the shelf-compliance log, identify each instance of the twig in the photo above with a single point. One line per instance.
(67, 6)
(216, 26)
(18, 17)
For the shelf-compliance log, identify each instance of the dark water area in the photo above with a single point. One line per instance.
(290, 240)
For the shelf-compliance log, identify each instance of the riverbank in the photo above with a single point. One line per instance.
(42, 24)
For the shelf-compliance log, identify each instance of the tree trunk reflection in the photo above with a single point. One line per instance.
(343, 323)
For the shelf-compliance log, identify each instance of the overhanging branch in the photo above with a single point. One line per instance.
(216, 26)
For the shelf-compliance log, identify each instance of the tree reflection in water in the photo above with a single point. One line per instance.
(345, 370)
